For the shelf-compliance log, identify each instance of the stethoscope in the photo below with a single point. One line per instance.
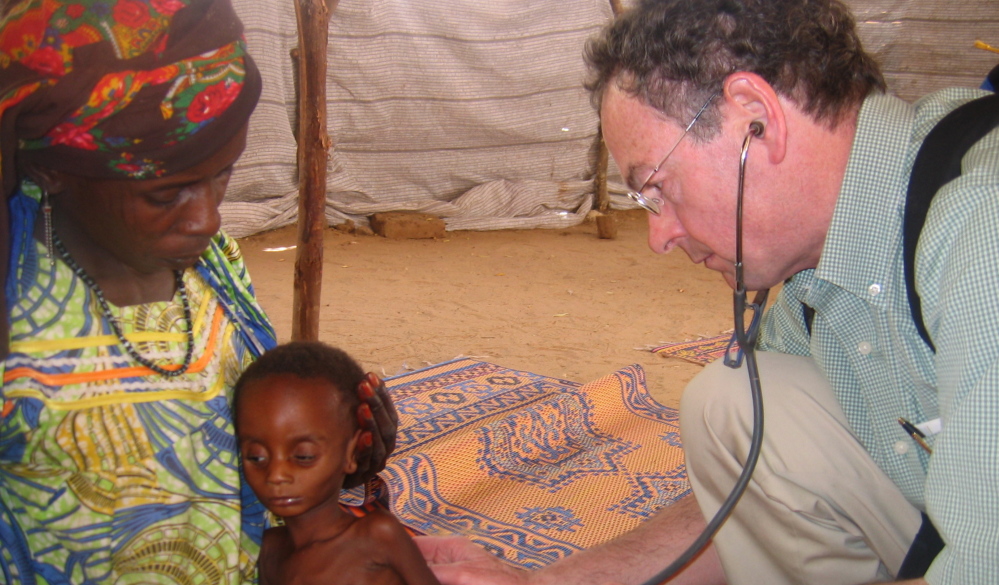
(746, 341)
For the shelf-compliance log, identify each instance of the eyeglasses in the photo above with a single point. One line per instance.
(744, 337)
(652, 205)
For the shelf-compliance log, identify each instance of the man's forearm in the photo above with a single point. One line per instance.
(636, 556)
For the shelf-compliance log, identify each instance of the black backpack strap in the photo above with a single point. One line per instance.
(925, 547)
(809, 315)
(937, 163)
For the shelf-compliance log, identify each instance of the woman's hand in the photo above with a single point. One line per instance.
(378, 421)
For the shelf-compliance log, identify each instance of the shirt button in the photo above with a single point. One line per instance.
(874, 289)
(902, 447)
(864, 347)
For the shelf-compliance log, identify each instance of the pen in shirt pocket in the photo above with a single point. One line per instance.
(917, 435)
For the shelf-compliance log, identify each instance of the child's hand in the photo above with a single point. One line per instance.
(379, 421)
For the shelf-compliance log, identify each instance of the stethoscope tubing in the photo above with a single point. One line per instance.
(747, 344)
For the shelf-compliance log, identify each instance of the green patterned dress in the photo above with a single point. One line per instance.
(109, 472)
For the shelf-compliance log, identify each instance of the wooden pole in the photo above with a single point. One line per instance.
(313, 152)
(600, 177)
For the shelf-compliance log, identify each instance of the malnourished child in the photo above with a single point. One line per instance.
(294, 412)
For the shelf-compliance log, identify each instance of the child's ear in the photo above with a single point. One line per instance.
(350, 456)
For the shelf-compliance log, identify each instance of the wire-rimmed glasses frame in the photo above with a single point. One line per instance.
(652, 205)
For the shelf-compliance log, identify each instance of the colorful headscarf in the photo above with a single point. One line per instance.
(133, 89)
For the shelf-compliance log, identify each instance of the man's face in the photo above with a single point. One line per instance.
(697, 187)
(296, 443)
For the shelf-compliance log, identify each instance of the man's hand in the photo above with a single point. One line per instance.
(633, 557)
(458, 561)
(378, 421)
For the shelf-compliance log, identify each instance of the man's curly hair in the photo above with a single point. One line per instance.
(674, 54)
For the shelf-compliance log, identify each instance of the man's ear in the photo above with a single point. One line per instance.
(350, 454)
(749, 98)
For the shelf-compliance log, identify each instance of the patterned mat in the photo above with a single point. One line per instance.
(701, 351)
(532, 468)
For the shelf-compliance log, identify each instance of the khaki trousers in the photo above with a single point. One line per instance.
(818, 510)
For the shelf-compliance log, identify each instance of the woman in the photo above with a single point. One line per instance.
(129, 316)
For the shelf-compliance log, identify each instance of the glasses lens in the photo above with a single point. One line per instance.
(646, 204)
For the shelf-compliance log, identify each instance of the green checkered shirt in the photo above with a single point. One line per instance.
(864, 339)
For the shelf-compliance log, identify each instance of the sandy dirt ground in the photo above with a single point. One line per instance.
(563, 303)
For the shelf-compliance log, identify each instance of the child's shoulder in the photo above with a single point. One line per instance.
(276, 546)
(274, 550)
(275, 536)
(380, 525)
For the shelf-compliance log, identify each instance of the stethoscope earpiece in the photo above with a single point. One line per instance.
(756, 128)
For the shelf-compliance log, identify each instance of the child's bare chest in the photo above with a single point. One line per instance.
(344, 566)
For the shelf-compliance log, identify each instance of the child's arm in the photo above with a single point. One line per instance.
(406, 558)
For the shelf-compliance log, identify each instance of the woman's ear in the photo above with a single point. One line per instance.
(752, 102)
(49, 180)
(350, 454)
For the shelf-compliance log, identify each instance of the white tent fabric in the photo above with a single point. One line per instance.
(926, 45)
(475, 110)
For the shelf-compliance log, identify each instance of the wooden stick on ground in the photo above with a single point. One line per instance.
(313, 151)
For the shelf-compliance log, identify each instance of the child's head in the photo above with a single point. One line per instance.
(296, 420)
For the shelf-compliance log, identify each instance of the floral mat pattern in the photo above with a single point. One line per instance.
(532, 468)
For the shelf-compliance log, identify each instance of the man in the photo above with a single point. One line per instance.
(840, 488)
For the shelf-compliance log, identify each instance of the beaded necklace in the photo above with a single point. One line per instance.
(178, 276)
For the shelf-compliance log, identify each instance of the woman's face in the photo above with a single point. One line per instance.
(146, 225)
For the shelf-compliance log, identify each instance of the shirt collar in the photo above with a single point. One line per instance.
(864, 237)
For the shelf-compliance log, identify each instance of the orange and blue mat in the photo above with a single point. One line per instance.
(532, 468)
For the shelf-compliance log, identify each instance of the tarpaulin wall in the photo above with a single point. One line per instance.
(475, 111)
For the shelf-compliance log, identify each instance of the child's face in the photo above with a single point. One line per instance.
(295, 442)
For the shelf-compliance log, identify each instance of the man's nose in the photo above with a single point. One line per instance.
(665, 230)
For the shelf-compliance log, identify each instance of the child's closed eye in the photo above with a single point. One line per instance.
(253, 453)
